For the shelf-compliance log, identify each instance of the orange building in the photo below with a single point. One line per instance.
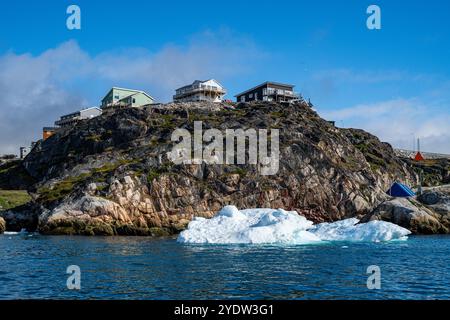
(47, 132)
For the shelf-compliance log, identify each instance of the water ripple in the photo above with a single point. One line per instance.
(145, 268)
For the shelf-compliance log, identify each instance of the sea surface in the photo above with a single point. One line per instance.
(34, 267)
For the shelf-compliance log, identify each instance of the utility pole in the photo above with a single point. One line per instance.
(419, 189)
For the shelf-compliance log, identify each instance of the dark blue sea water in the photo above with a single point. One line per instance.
(34, 266)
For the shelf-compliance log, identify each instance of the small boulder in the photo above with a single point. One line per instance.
(438, 200)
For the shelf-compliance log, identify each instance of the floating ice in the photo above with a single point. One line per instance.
(272, 226)
(350, 230)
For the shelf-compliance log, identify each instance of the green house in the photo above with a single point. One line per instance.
(121, 97)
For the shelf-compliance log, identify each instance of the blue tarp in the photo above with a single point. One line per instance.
(400, 190)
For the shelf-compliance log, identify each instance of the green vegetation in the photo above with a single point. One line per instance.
(153, 142)
(240, 171)
(373, 157)
(106, 168)
(13, 198)
(158, 232)
(351, 163)
(95, 138)
(239, 112)
(8, 166)
(434, 171)
(65, 187)
(276, 114)
(199, 117)
(14, 177)
(61, 189)
(109, 167)
(78, 227)
(363, 147)
(154, 173)
(213, 119)
(169, 121)
(374, 167)
(375, 161)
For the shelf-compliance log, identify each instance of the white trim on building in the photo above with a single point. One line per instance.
(209, 90)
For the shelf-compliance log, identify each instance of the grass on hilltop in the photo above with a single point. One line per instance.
(13, 198)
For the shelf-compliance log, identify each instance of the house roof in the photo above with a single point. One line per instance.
(91, 108)
(78, 112)
(133, 94)
(131, 90)
(264, 84)
(49, 128)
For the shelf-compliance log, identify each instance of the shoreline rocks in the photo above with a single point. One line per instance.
(21, 217)
(2, 225)
(437, 199)
(412, 215)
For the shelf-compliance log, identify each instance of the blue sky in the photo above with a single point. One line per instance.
(393, 82)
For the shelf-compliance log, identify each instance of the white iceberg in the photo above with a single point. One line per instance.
(12, 233)
(352, 230)
(271, 226)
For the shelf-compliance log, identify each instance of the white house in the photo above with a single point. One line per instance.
(73, 118)
(209, 90)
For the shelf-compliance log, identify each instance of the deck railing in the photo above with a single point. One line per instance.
(201, 88)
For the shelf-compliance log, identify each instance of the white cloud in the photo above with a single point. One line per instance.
(36, 89)
(399, 122)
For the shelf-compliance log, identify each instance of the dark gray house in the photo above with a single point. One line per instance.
(269, 91)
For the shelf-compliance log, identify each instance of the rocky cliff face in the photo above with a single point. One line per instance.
(434, 172)
(111, 174)
(2, 225)
(414, 215)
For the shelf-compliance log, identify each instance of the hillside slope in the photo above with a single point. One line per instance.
(111, 174)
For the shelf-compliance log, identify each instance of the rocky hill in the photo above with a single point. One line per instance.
(111, 174)
(434, 172)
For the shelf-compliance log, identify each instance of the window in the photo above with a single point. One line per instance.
(134, 100)
(116, 97)
(250, 95)
(242, 98)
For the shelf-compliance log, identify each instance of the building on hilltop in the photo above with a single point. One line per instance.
(123, 98)
(73, 118)
(269, 91)
(23, 152)
(208, 90)
(47, 132)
